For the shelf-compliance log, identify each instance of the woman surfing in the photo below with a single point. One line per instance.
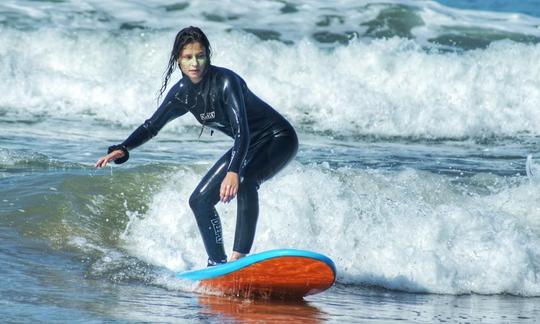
(264, 141)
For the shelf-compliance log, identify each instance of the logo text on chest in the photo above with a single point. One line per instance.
(208, 115)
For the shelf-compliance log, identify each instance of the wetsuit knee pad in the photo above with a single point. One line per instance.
(197, 201)
(194, 200)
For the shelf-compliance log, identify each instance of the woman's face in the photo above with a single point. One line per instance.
(193, 61)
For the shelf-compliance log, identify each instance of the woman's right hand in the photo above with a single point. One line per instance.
(102, 162)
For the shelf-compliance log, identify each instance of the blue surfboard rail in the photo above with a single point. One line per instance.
(223, 269)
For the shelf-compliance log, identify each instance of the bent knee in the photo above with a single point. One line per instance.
(195, 201)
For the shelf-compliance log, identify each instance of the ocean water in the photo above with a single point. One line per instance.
(415, 121)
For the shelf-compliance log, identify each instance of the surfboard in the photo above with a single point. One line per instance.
(274, 274)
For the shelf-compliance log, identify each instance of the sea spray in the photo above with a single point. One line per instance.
(407, 230)
(370, 88)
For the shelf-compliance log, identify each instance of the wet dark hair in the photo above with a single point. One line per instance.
(184, 37)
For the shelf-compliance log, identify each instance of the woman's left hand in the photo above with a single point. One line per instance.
(229, 187)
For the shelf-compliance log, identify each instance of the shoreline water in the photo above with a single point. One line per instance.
(60, 289)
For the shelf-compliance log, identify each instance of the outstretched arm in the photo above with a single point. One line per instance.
(170, 108)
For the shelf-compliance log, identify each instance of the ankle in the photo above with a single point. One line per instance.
(236, 255)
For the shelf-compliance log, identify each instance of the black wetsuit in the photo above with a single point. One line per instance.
(264, 142)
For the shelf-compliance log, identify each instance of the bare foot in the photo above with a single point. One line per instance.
(236, 255)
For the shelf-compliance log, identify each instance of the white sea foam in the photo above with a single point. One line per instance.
(407, 230)
(382, 87)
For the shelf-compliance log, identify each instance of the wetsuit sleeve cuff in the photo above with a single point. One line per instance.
(233, 168)
(123, 149)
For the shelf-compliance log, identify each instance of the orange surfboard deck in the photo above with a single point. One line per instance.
(281, 274)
